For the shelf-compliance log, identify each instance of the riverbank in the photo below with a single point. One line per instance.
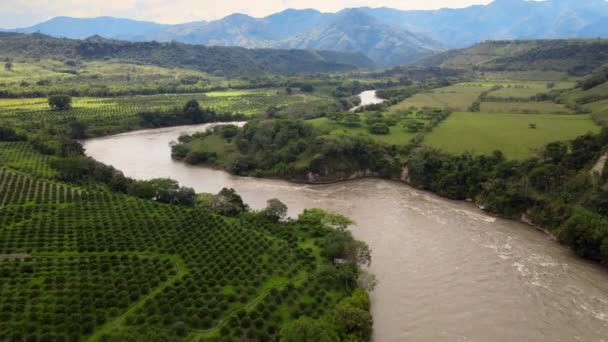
(446, 269)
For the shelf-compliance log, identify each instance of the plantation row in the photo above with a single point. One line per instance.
(16, 188)
(82, 274)
(66, 298)
(22, 111)
(21, 156)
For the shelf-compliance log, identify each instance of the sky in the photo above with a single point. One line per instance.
(22, 13)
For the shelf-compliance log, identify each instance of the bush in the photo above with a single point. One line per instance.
(60, 102)
(379, 128)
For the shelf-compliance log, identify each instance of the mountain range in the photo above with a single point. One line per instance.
(387, 36)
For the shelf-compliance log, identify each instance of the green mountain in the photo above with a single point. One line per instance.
(228, 61)
(575, 56)
(354, 30)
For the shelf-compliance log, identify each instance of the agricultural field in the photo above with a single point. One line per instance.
(526, 76)
(78, 263)
(399, 134)
(525, 107)
(104, 77)
(587, 96)
(122, 111)
(483, 133)
(525, 90)
(456, 97)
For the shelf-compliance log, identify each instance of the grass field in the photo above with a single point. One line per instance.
(112, 76)
(457, 97)
(531, 75)
(482, 133)
(524, 90)
(399, 135)
(531, 107)
(596, 93)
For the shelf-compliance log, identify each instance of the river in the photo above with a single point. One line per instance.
(447, 271)
(367, 97)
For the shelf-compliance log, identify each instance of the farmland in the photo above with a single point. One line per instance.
(457, 97)
(483, 133)
(107, 115)
(529, 107)
(115, 266)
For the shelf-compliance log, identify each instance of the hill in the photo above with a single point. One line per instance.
(349, 30)
(575, 56)
(225, 61)
(388, 36)
(503, 19)
(354, 30)
(80, 28)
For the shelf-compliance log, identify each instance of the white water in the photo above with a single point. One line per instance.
(367, 97)
(447, 271)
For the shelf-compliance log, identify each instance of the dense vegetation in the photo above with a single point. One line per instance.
(229, 61)
(575, 56)
(557, 190)
(286, 148)
(87, 252)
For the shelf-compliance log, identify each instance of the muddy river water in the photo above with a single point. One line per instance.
(447, 271)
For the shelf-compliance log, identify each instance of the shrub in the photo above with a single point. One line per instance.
(379, 128)
(60, 102)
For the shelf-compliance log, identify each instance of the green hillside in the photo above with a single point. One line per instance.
(573, 56)
(226, 61)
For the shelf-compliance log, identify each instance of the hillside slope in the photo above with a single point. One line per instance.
(503, 19)
(353, 30)
(575, 56)
(228, 61)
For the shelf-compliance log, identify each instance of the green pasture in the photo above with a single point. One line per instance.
(483, 133)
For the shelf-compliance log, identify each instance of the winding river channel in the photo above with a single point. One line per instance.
(447, 271)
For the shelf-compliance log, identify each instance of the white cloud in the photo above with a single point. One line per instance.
(19, 13)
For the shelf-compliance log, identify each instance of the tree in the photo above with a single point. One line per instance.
(60, 102)
(414, 126)
(321, 217)
(9, 134)
(71, 169)
(352, 321)
(351, 120)
(367, 280)
(587, 234)
(289, 91)
(308, 330)
(77, 129)
(163, 190)
(8, 66)
(307, 88)
(275, 210)
(379, 128)
(227, 202)
(229, 131)
(192, 106)
(556, 152)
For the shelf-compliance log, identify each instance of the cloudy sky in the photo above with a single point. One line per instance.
(20, 13)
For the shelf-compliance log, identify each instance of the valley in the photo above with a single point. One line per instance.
(307, 176)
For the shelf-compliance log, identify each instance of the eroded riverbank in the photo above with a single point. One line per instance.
(447, 270)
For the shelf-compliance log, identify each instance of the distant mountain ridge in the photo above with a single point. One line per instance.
(388, 36)
(574, 56)
(218, 60)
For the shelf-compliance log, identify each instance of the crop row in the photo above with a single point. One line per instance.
(228, 261)
(21, 156)
(61, 298)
